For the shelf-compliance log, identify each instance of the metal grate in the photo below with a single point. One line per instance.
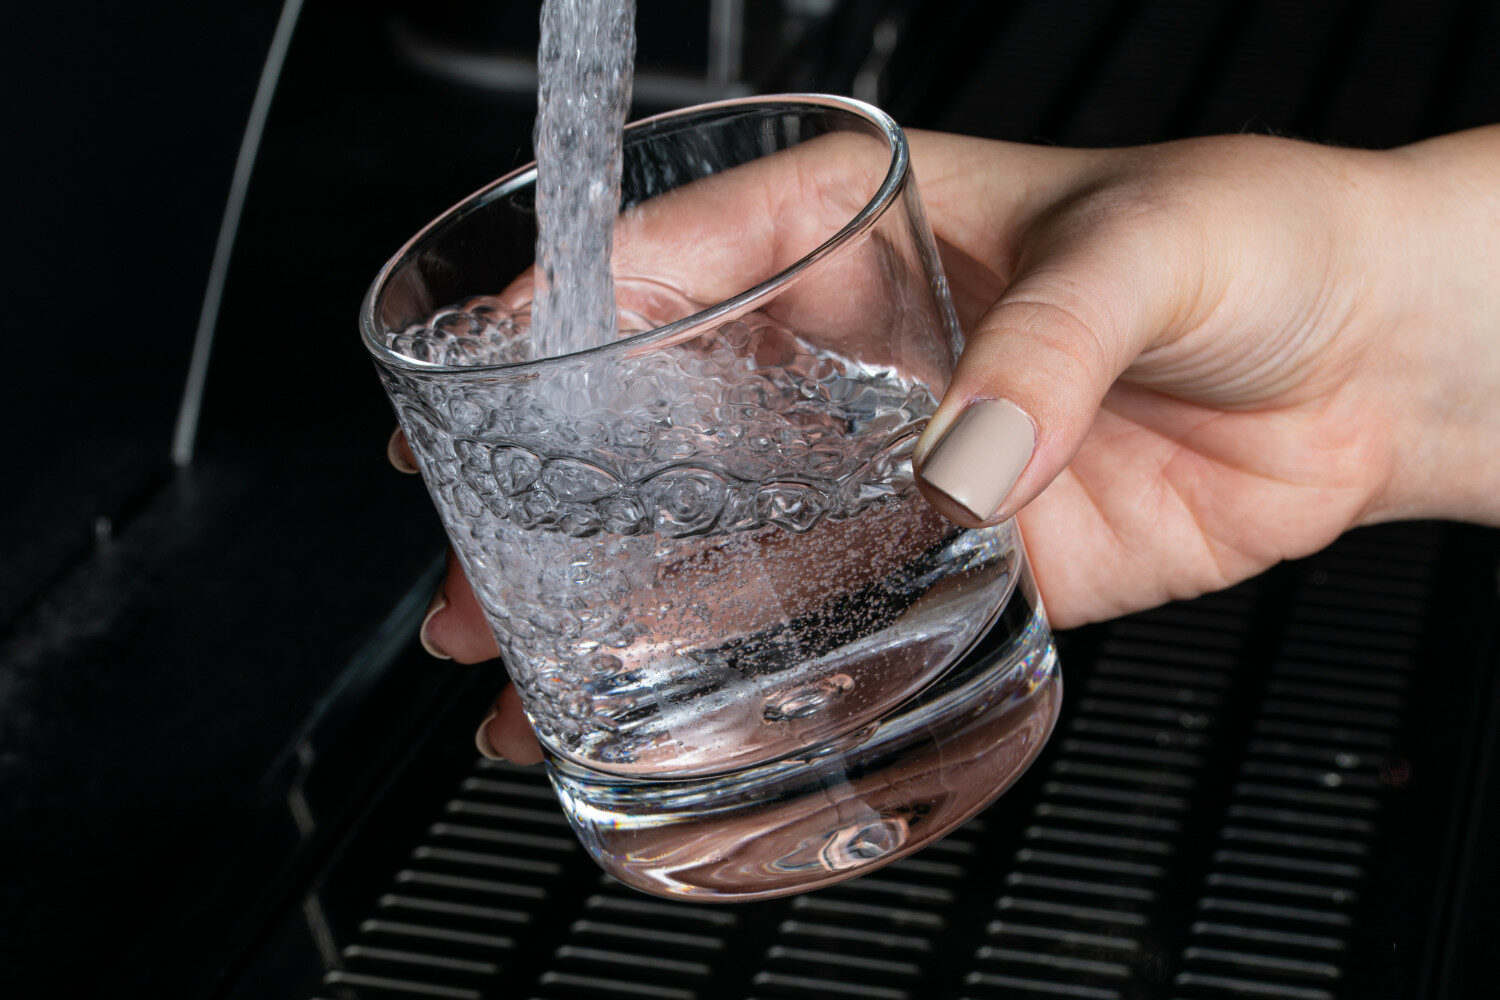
(1203, 826)
(449, 920)
(877, 939)
(1293, 856)
(1080, 913)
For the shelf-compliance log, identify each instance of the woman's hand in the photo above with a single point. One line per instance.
(1215, 354)
(1231, 350)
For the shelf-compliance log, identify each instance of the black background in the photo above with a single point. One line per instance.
(164, 631)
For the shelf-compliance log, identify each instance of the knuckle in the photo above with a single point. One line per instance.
(1066, 326)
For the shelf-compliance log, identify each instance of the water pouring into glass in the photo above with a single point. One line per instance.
(738, 631)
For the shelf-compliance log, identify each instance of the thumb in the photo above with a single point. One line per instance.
(1030, 381)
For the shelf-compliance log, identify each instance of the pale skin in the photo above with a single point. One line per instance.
(1233, 350)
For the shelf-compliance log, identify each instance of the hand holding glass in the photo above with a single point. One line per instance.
(737, 629)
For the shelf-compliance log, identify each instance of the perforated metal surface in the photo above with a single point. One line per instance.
(1204, 825)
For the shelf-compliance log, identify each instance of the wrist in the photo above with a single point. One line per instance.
(1439, 260)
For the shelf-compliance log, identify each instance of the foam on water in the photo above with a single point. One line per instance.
(699, 556)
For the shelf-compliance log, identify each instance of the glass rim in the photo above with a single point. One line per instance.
(681, 329)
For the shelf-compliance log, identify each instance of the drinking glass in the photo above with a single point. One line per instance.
(737, 629)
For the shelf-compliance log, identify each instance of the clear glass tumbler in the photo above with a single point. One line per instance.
(737, 629)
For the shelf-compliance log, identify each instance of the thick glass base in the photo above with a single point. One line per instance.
(845, 807)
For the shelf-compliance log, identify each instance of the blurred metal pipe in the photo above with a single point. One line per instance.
(869, 81)
(726, 40)
(185, 435)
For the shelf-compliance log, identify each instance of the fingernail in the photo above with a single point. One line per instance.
(482, 740)
(979, 459)
(439, 602)
(395, 456)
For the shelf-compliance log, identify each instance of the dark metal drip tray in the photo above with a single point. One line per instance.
(1255, 794)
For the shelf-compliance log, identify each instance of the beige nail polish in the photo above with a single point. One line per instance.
(439, 602)
(482, 741)
(979, 459)
(394, 456)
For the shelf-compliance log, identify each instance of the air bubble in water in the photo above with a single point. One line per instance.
(862, 842)
(805, 700)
